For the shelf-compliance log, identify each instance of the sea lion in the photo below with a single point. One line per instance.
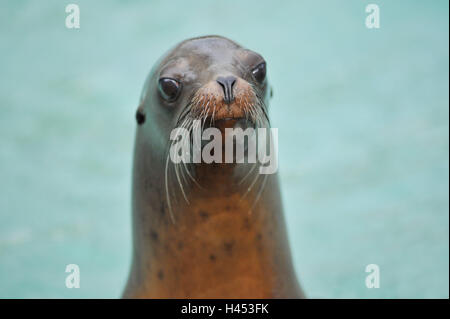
(204, 233)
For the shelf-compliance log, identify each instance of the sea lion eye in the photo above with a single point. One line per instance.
(169, 89)
(260, 72)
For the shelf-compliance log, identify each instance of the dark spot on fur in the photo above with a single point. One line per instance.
(203, 214)
(160, 275)
(212, 257)
(154, 235)
(247, 224)
(228, 246)
(227, 207)
(259, 243)
(180, 245)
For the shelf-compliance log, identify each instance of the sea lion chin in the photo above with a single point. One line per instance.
(210, 230)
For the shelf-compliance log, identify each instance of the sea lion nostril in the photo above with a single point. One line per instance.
(227, 86)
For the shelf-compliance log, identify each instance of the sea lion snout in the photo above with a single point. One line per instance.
(225, 98)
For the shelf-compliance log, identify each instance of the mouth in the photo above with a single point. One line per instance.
(230, 122)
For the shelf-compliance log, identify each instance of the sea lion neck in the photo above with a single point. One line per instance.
(220, 245)
(222, 179)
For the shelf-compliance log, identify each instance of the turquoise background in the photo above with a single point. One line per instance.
(363, 127)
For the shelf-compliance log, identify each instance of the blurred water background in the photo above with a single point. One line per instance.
(363, 127)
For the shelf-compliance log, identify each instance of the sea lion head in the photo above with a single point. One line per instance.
(209, 78)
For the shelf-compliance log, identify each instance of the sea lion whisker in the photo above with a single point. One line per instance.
(213, 114)
(176, 167)
(248, 174)
(180, 184)
(183, 164)
(262, 106)
(260, 124)
(186, 169)
(263, 184)
(166, 178)
(206, 114)
(251, 186)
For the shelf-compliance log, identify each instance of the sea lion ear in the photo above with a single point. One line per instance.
(271, 92)
(140, 115)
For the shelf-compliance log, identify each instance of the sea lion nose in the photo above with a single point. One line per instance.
(227, 86)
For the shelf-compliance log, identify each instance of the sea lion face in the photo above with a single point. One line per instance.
(202, 82)
(209, 78)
